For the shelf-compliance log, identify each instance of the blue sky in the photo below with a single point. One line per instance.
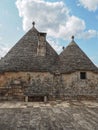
(59, 18)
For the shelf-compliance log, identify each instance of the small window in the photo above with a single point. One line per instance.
(82, 75)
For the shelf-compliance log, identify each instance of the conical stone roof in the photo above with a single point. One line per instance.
(23, 56)
(74, 59)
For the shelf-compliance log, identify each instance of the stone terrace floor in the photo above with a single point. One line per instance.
(68, 115)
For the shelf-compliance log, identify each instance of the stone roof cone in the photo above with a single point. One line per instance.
(74, 59)
(23, 56)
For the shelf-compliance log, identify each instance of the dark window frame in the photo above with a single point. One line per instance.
(83, 75)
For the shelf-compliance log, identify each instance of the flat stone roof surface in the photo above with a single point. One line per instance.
(68, 115)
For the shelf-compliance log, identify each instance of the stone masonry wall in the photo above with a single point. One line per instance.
(59, 86)
(74, 86)
(25, 83)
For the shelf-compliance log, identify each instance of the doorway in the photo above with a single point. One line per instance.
(35, 98)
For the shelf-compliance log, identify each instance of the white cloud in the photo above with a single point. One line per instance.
(53, 18)
(89, 34)
(47, 15)
(54, 43)
(73, 26)
(91, 5)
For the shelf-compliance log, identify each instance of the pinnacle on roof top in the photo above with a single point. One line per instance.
(72, 38)
(63, 47)
(33, 23)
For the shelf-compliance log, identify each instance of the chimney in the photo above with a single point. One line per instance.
(42, 36)
(63, 47)
(41, 49)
